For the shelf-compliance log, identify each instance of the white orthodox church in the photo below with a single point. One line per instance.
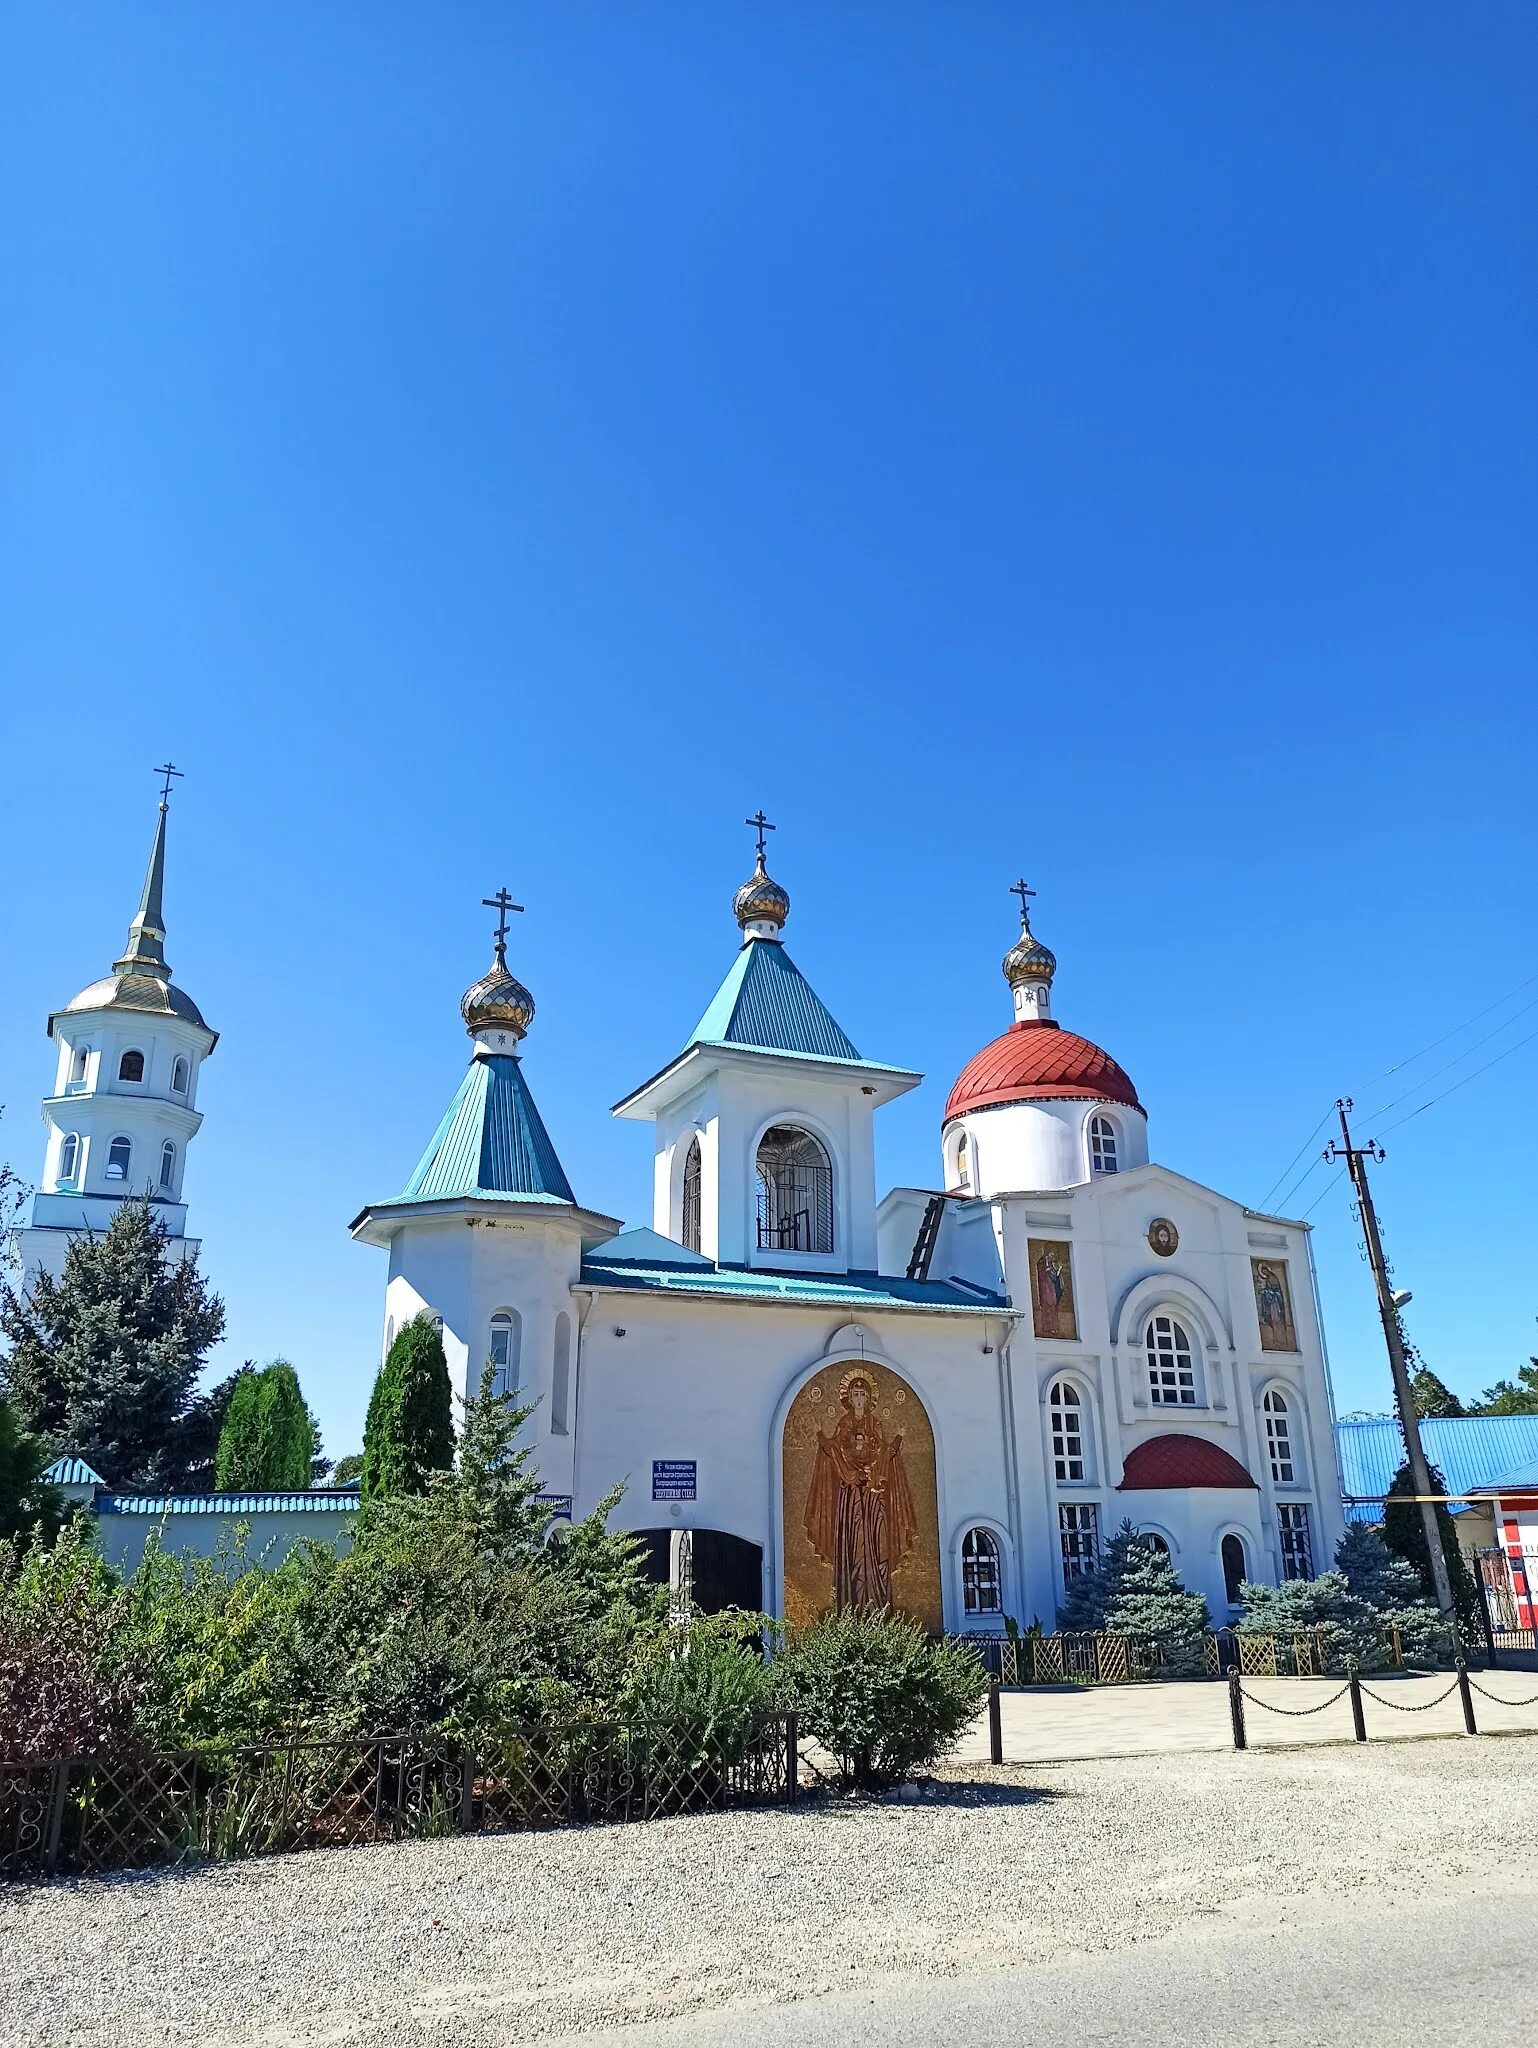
(945, 1399)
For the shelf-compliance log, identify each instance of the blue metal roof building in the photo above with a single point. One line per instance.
(1471, 1452)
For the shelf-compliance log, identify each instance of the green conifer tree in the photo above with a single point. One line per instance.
(409, 1431)
(269, 1437)
(1150, 1605)
(1431, 1396)
(1404, 1533)
(105, 1359)
(25, 1499)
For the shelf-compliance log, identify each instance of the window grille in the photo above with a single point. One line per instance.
(1171, 1375)
(1297, 1544)
(131, 1067)
(1067, 1412)
(795, 1192)
(981, 1583)
(1279, 1440)
(1078, 1535)
(1102, 1145)
(691, 1215)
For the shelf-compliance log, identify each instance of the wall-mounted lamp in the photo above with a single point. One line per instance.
(619, 1329)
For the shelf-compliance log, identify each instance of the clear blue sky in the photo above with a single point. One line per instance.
(488, 443)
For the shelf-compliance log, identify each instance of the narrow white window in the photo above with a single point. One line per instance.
(560, 1377)
(1279, 1439)
(179, 1075)
(77, 1067)
(1235, 1571)
(69, 1156)
(982, 1589)
(131, 1067)
(502, 1349)
(963, 1162)
(1067, 1412)
(167, 1166)
(690, 1233)
(1078, 1536)
(1171, 1375)
(119, 1159)
(1102, 1145)
(1297, 1542)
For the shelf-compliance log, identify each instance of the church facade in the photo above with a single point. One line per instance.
(946, 1399)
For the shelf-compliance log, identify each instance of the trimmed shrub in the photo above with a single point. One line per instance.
(269, 1437)
(409, 1432)
(876, 1692)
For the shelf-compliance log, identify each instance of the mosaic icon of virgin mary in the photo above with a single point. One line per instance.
(859, 1508)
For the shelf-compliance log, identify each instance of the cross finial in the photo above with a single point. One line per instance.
(760, 825)
(1019, 889)
(501, 903)
(168, 769)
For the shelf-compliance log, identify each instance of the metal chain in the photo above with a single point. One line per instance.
(1295, 1713)
(1400, 1707)
(1496, 1699)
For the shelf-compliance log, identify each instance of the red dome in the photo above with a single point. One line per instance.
(1035, 1062)
(1173, 1461)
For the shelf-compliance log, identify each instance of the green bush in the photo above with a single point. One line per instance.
(877, 1693)
(1135, 1591)
(1346, 1626)
(268, 1438)
(1391, 1587)
(408, 1433)
(707, 1678)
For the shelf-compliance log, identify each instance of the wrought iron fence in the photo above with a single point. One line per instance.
(1080, 1658)
(85, 1814)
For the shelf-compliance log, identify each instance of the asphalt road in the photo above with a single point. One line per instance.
(1459, 1969)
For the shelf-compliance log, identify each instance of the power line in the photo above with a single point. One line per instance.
(1448, 1065)
(1454, 1086)
(1478, 1014)
(1292, 1162)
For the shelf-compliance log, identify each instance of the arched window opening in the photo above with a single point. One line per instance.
(560, 1377)
(502, 1350)
(1279, 1439)
(1235, 1571)
(167, 1166)
(691, 1217)
(1155, 1541)
(77, 1066)
(131, 1067)
(795, 1192)
(1171, 1374)
(69, 1156)
(1102, 1145)
(963, 1162)
(119, 1158)
(179, 1075)
(982, 1585)
(1066, 1408)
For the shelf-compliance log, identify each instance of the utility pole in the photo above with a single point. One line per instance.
(1356, 1158)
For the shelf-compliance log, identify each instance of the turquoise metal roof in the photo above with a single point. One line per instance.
(643, 1247)
(491, 1144)
(72, 1471)
(742, 1283)
(766, 1002)
(325, 1500)
(1468, 1450)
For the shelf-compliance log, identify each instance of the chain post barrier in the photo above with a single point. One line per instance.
(1466, 1698)
(1236, 1706)
(1354, 1684)
(995, 1724)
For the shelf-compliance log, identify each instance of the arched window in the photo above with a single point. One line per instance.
(691, 1216)
(560, 1377)
(131, 1067)
(1235, 1570)
(963, 1162)
(795, 1192)
(502, 1349)
(1066, 1408)
(167, 1165)
(179, 1075)
(1171, 1375)
(1155, 1541)
(982, 1588)
(1279, 1439)
(77, 1066)
(119, 1158)
(1102, 1145)
(69, 1156)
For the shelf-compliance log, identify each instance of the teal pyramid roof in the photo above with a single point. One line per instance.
(491, 1143)
(766, 1002)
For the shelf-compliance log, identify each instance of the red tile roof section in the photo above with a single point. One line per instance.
(1038, 1061)
(1177, 1461)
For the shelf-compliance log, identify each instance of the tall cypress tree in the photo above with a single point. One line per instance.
(269, 1435)
(409, 1432)
(25, 1498)
(1405, 1534)
(105, 1359)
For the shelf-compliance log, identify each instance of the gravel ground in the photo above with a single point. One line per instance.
(511, 1938)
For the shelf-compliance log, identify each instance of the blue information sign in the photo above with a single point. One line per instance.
(673, 1479)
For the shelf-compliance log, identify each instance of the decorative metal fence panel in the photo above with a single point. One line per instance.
(1071, 1657)
(90, 1814)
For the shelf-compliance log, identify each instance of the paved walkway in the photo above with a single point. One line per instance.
(1066, 1723)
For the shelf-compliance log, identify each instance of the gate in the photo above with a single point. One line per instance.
(1508, 1584)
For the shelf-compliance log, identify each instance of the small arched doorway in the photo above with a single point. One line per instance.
(722, 1570)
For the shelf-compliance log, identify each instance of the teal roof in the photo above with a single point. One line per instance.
(643, 1247)
(326, 1500)
(766, 1002)
(742, 1283)
(491, 1145)
(72, 1471)
(1468, 1450)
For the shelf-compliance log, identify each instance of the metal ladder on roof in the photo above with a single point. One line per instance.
(929, 1234)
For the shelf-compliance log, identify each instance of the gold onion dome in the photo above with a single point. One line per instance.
(1028, 959)
(761, 900)
(498, 1001)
